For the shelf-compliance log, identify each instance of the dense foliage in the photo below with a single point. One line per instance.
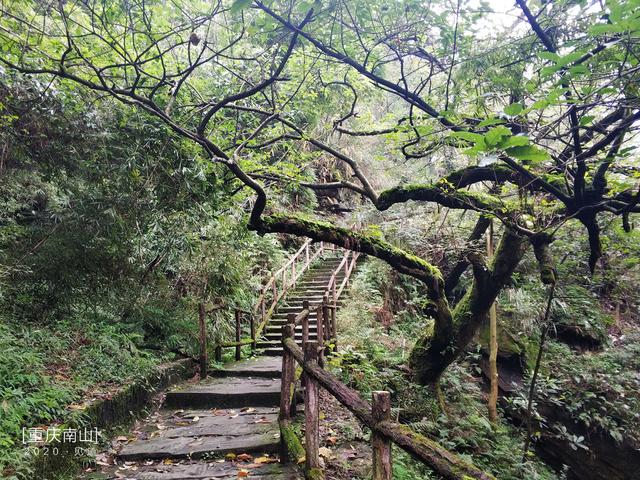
(149, 150)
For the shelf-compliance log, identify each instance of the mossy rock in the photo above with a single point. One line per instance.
(508, 344)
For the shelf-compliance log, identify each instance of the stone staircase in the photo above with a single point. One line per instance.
(310, 288)
(226, 426)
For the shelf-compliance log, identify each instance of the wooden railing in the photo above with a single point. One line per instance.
(284, 279)
(270, 295)
(377, 417)
(332, 292)
(348, 263)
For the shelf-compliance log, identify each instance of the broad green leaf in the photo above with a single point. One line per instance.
(495, 135)
(514, 141)
(513, 109)
(469, 136)
(527, 152)
(605, 29)
(490, 121)
(239, 5)
(586, 119)
(554, 57)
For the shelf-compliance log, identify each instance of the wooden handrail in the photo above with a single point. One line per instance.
(444, 462)
(273, 290)
(346, 264)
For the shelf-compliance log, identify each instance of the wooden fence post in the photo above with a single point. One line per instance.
(293, 273)
(312, 415)
(320, 334)
(218, 354)
(238, 332)
(252, 326)
(305, 322)
(288, 373)
(204, 358)
(263, 293)
(326, 317)
(334, 328)
(381, 412)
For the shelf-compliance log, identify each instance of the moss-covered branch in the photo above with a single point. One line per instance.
(443, 193)
(541, 242)
(461, 265)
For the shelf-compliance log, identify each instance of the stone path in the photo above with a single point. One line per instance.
(225, 427)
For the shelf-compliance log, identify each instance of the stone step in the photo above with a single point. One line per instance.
(285, 310)
(226, 393)
(266, 344)
(277, 328)
(284, 319)
(212, 471)
(277, 337)
(272, 352)
(258, 367)
(204, 433)
(304, 296)
(277, 325)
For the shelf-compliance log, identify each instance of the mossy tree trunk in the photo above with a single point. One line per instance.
(439, 347)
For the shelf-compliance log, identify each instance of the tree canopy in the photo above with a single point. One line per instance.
(528, 117)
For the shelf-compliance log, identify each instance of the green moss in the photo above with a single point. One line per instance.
(508, 343)
(444, 193)
(293, 450)
(314, 474)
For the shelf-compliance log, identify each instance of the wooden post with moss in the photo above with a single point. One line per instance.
(252, 326)
(204, 358)
(326, 318)
(381, 445)
(312, 416)
(320, 334)
(305, 322)
(238, 334)
(288, 374)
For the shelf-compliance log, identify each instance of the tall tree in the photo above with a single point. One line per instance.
(545, 111)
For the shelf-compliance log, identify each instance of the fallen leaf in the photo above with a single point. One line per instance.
(325, 452)
(265, 460)
(332, 440)
(302, 460)
(244, 457)
(230, 456)
(243, 473)
(122, 438)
